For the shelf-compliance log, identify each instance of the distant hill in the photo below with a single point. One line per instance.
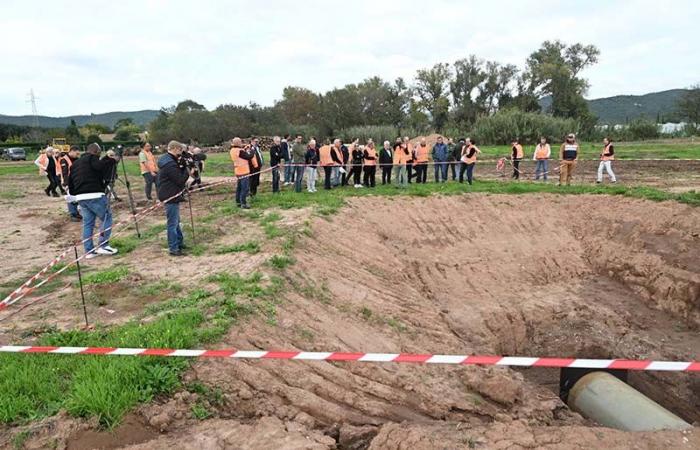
(621, 109)
(107, 119)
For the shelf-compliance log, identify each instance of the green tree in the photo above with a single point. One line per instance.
(340, 108)
(431, 86)
(125, 122)
(469, 74)
(689, 105)
(73, 133)
(93, 138)
(189, 105)
(299, 106)
(554, 70)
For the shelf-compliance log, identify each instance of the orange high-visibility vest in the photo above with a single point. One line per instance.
(150, 164)
(43, 162)
(465, 158)
(372, 153)
(606, 156)
(396, 157)
(57, 164)
(324, 155)
(541, 151)
(519, 153)
(69, 162)
(240, 165)
(422, 154)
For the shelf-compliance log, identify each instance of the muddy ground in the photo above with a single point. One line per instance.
(534, 275)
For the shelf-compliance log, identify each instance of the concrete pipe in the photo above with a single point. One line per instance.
(610, 402)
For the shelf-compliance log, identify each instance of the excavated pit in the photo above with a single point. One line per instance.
(549, 275)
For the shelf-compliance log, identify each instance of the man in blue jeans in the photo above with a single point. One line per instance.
(171, 183)
(87, 183)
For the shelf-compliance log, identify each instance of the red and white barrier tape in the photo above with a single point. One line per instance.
(485, 360)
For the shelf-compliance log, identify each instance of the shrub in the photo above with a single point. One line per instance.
(503, 126)
(640, 129)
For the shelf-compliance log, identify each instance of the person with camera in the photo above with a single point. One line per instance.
(149, 169)
(241, 156)
(173, 173)
(87, 183)
(198, 158)
(256, 164)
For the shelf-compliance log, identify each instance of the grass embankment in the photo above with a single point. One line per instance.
(35, 386)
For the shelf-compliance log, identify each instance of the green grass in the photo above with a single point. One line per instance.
(35, 386)
(251, 247)
(281, 261)
(106, 276)
(11, 195)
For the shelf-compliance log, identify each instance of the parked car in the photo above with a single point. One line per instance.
(14, 154)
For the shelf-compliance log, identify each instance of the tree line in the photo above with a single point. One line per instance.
(444, 98)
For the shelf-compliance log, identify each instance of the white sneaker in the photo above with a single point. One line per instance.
(106, 250)
(91, 255)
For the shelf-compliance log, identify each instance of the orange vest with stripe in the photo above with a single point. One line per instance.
(606, 156)
(150, 164)
(324, 155)
(422, 154)
(466, 159)
(240, 165)
(338, 154)
(519, 153)
(372, 153)
(541, 151)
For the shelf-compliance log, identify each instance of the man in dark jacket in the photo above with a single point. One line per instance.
(171, 182)
(275, 157)
(286, 149)
(255, 166)
(440, 155)
(87, 184)
(386, 159)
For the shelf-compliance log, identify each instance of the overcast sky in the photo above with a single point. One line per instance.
(85, 57)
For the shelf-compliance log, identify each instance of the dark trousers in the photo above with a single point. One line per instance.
(386, 174)
(298, 176)
(370, 174)
(275, 179)
(356, 173)
(409, 171)
(51, 188)
(469, 168)
(344, 177)
(150, 181)
(254, 181)
(516, 168)
(453, 165)
(440, 171)
(421, 172)
(327, 170)
(242, 189)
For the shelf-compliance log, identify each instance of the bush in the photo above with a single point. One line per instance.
(640, 129)
(378, 133)
(503, 126)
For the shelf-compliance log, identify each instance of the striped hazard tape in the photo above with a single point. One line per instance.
(483, 360)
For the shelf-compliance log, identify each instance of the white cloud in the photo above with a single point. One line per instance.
(95, 56)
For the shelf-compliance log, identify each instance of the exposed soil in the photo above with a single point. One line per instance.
(545, 275)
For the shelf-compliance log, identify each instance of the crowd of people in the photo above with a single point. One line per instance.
(293, 161)
(87, 181)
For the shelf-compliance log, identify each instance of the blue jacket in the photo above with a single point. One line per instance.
(172, 178)
(440, 152)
